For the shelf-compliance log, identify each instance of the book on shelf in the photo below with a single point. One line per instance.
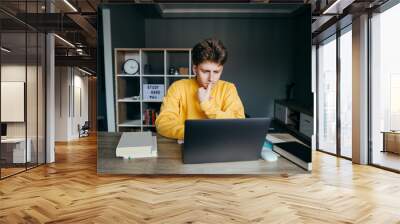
(153, 117)
(145, 118)
(295, 152)
(137, 145)
(149, 117)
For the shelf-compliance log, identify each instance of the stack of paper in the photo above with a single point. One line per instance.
(280, 137)
(137, 145)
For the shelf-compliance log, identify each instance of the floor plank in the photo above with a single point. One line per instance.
(69, 191)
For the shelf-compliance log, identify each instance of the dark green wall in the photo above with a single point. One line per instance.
(302, 58)
(260, 53)
(127, 25)
(265, 54)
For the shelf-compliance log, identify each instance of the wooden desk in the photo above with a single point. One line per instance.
(169, 161)
(391, 141)
(13, 150)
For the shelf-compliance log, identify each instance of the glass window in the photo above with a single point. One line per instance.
(22, 92)
(385, 88)
(346, 93)
(41, 98)
(14, 148)
(31, 97)
(327, 96)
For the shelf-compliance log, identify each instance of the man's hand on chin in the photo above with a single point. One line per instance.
(204, 94)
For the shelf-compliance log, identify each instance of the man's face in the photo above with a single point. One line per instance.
(207, 72)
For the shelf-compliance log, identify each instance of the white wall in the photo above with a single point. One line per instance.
(79, 117)
(16, 73)
(61, 103)
(33, 126)
(12, 73)
(70, 83)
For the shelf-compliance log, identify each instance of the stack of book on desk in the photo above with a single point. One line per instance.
(134, 145)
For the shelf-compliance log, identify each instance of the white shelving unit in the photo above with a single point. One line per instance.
(154, 64)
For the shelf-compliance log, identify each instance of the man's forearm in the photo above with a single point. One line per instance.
(213, 112)
(170, 128)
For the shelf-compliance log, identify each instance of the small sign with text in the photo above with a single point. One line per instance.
(153, 92)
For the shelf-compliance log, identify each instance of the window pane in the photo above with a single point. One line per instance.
(14, 153)
(385, 88)
(346, 94)
(327, 96)
(31, 97)
(41, 98)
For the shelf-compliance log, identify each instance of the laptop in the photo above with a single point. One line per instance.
(224, 140)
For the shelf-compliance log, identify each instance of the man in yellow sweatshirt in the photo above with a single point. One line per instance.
(206, 97)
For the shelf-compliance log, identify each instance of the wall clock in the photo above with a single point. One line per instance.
(130, 67)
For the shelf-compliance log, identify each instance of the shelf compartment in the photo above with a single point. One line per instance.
(129, 114)
(153, 109)
(152, 62)
(178, 59)
(160, 81)
(127, 87)
(123, 54)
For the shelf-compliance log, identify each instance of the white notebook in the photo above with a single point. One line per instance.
(137, 145)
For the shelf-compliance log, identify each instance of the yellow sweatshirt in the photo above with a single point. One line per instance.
(181, 103)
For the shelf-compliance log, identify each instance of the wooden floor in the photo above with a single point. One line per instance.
(5, 172)
(69, 191)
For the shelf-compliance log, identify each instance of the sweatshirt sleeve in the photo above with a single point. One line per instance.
(232, 106)
(169, 122)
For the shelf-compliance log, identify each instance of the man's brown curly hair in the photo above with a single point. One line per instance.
(209, 50)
